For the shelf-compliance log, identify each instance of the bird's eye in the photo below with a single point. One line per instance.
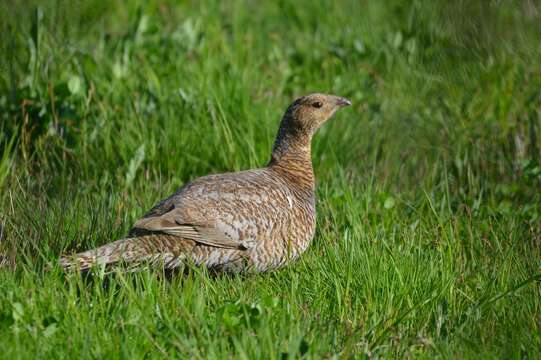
(317, 104)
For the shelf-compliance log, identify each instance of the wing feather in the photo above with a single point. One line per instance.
(169, 223)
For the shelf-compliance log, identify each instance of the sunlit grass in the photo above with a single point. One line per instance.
(429, 212)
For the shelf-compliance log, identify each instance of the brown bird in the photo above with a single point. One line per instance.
(254, 220)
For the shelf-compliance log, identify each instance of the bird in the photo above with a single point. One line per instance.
(249, 221)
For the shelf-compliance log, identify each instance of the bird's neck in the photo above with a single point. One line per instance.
(292, 156)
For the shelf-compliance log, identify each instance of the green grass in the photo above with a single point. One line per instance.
(429, 213)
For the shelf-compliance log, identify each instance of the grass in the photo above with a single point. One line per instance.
(429, 214)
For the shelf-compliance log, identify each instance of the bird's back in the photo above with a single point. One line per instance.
(265, 213)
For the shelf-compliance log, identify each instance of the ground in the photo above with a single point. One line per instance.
(429, 209)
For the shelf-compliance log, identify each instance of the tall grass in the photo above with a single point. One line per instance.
(429, 212)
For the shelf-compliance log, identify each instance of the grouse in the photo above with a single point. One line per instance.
(254, 220)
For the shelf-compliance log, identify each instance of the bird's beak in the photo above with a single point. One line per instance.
(343, 102)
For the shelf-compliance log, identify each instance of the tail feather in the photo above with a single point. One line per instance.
(155, 248)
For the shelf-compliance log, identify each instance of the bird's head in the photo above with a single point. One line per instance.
(308, 113)
(301, 120)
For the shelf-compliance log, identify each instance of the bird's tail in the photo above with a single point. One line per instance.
(166, 249)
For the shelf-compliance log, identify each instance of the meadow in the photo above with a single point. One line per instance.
(429, 187)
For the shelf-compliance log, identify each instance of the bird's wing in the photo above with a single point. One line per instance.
(177, 224)
(201, 210)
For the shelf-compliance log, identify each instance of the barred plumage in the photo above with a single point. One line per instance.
(253, 220)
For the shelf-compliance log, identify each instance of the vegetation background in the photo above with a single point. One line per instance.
(429, 213)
